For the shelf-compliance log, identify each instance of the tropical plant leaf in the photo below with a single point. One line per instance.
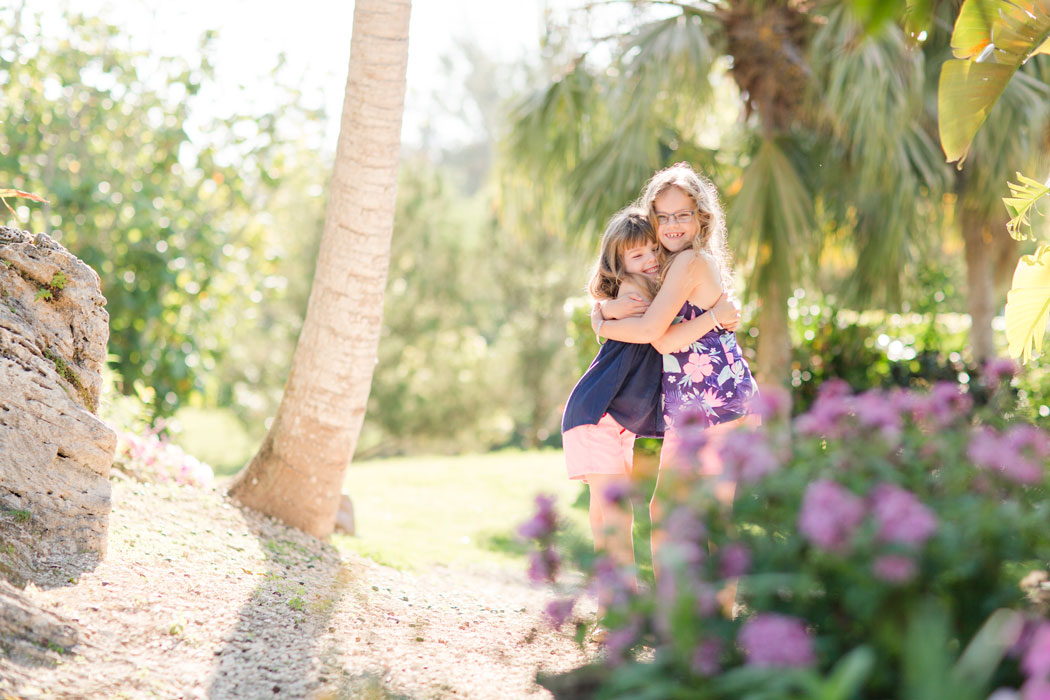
(991, 40)
(966, 93)
(985, 651)
(1015, 29)
(1023, 196)
(1028, 304)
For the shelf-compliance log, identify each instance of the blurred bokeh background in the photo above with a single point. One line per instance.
(184, 150)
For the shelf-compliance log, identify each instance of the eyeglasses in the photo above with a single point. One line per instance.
(679, 217)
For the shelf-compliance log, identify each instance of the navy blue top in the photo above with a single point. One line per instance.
(623, 381)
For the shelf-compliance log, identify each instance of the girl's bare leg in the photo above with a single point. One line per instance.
(615, 531)
(721, 487)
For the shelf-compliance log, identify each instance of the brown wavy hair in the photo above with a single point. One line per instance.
(710, 217)
(628, 228)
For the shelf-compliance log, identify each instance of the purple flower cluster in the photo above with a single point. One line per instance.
(543, 523)
(894, 568)
(836, 413)
(998, 369)
(734, 561)
(1036, 664)
(559, 610)
(543, 565)
(544, 562)
(830, 515)
(686, 535)
(826, 417)
(707, 657)
(747, 456)
(901, 517)
(943, 405)
(769, 639)
(1019, 454)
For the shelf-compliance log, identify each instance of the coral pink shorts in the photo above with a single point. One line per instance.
(605, 448)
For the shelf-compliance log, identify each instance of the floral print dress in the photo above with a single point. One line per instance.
(708, 382)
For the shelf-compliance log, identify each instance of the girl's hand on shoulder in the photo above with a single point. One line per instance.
(727, 311)
(625, 306)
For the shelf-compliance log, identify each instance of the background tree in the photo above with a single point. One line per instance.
(805, 78)
(169, 220)
(297, 474)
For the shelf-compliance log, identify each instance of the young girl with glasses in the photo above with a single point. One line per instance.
(706, 383)
(618, 397)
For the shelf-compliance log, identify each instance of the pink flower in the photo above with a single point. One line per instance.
(543, 523)
(620, 641)
(985, 448)
(771, 404)
(706, 599)
(830, 515)
(942, 405)
(747, 456)
(900, 515)
(698, 366)
(876, 410)
(735, 560)
(543, 565)
(1036, 689)
(996, 369)
(559, 610)
(894, 568)
(1018, 454)
(618, 492)
(769, 639)
(825, 416)
(1036, 660)
(686, 536)
(706, 657)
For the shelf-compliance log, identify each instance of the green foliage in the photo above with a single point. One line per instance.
(877, 543)
(166, 209)
(1024, 195)
(432, 387)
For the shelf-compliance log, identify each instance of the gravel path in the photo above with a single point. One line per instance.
(200, 599)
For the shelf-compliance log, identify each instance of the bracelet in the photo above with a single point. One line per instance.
(718, 326)
(598, 332)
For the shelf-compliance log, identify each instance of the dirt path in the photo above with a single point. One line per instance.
(199, 599)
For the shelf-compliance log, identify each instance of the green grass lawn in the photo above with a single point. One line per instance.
(412, 512)
(417, 511)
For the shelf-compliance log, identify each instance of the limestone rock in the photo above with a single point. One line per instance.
(55, 454)
(28, 632)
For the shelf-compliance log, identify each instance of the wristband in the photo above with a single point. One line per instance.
(598, 332)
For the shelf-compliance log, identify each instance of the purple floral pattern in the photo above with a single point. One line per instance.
(708, 381)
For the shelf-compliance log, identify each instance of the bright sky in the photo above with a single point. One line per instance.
(315, 36)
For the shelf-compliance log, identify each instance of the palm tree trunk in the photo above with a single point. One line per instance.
(981, 254)
(297, 474)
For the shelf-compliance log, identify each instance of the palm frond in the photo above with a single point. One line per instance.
(1024, 194)
(771, 219)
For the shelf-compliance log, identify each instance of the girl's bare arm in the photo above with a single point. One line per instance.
(680, 335)
(687, 272)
